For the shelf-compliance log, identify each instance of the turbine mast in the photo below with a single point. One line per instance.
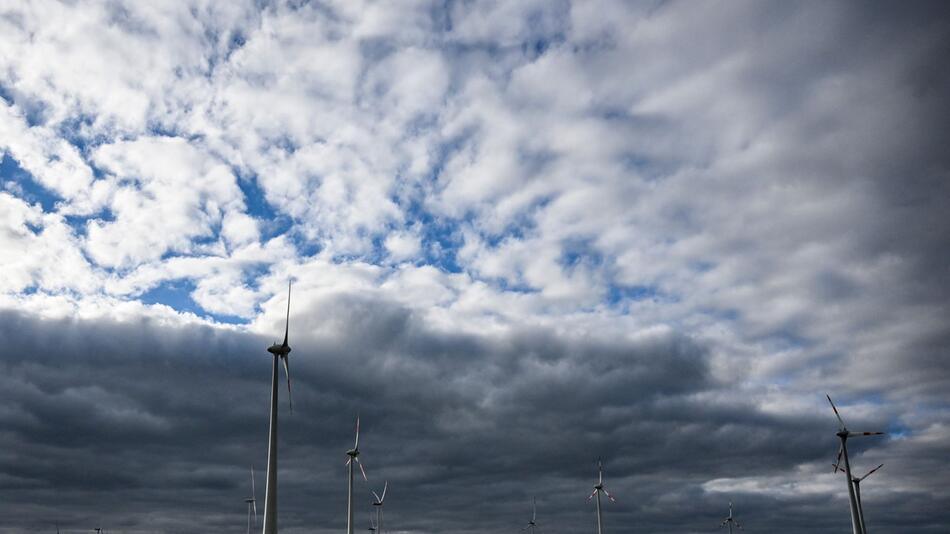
(270, 491)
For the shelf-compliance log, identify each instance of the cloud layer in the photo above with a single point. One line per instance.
(524, 235)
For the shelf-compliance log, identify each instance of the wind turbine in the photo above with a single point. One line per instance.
(598, 489)
(353, 455)
(251, 504)
(843, 434)
(373, 528)
(730, 520)
(856, 482)
(534, 517)
(378, 503)
(280, 353)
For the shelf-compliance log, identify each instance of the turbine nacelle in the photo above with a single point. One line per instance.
(279, 350)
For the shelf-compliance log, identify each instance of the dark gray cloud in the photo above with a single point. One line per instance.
(141, 427)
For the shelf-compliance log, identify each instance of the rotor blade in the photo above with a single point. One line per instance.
(253, 491)
(359, 463)
(833, 407)
(290, 394)
(534, 511)
(356, 445)
(608, 495)
(254, 505)
(287, 321)
(869, 472)
(591, 496)
(377, 497)
(385, 487)
(838, 460)
(852, 434)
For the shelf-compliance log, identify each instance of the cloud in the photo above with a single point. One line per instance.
(537, 232)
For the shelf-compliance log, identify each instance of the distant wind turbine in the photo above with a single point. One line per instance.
(373, 528)
(251, 504)
(598, 489)
(353, 458)
(856, 482)
(533, 524)
(378, 504)
(280, 353)
(843, 434)
(730, 520)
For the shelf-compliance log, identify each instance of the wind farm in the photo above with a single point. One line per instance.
(552, 267)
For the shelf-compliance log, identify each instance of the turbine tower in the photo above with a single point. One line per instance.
(843, 434)
(730, 520)
(251, 504)
(372, 522)
(378, 503)
(598, 489)
(533, 524)
(353, 458)
(280, 353)
(856, 482)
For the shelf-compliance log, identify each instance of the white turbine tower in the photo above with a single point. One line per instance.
(251, 504)
(353, 458)
(843, 434)
(372, 522)
(533, 524)
(856, 482)
(378, 504)
(730, 520)
(280, 353)
(598, 489)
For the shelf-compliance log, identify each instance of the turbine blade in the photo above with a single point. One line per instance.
(290, 394)
(608, 495)
(853, 434)
(833, 407)
(385, 487)
(591, 496)
(534, 511)
(359, 463)
(377, 497)
(287, 320)
(356, 445)
(254, 505)
(253, 491)
(869, 472)
(837, 463)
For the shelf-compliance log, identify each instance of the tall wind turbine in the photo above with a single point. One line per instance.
(378, 503)
(251, 504)
(280, 353)
(533, 524)
(598, 489)
(843, 434)
(730, 520)
(856, 482)
(354, 458)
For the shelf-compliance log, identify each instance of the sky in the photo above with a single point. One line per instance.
(522, 235)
